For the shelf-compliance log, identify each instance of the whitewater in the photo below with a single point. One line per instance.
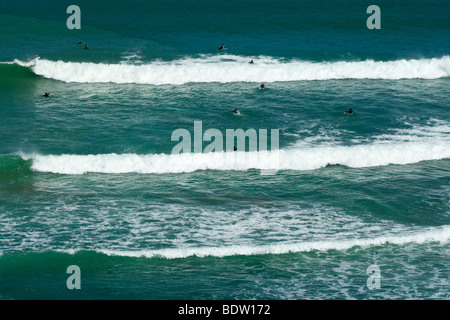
(399, 147)
(232, 68)
(440, 235)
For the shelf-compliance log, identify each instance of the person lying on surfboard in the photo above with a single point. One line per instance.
(349, 111)
(222, 47)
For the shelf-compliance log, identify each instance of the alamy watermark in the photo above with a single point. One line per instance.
(74, 21)
(74, 280)
(374, 280)
(374, 21)
(231, 150)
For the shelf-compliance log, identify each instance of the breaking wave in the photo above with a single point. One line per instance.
(231, 68)
(357, 156)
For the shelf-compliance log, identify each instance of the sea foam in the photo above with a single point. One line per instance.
(439, 235)
(231, 68)
(306, 158)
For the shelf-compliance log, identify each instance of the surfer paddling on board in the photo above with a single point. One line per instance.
(262, 86)
(47, 94)
(80, 43)
(235, 111)
(349, 112)
(222, 47)
(86, 47)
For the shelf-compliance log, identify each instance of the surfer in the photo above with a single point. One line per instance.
(222, 47)
(47, 94)
(80, 43)
(86, 47)
(251, 62)
(349, 111)
(235, 111)
(262, 86)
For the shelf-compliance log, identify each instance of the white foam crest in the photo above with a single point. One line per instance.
(436, 129)
(131, 58)
(26, 64)
(440, 235)
(230, 68)
(307, 158)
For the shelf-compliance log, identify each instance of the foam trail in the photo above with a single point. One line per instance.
(27, 64)
(230, 68)
(440, 235)
(307, 158)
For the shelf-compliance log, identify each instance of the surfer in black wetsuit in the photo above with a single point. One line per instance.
(47, 94)
(86, 47)
(251, 62)
(235, 111)
(349, 111)
(222, 47)
(80, 43)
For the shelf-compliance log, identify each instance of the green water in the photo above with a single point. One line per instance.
(88, 178)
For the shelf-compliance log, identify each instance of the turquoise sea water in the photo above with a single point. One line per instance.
(87, 177)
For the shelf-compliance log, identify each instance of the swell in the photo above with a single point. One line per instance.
(15, 71)
(13, 166)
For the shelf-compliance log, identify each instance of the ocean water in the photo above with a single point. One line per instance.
(88, 176)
